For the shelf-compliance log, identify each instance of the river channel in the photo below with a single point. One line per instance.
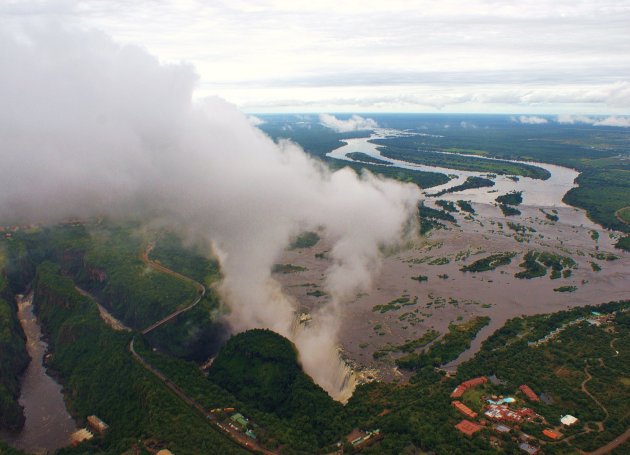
(536, 192)
(48, 425)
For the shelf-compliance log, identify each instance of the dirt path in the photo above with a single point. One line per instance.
(585, 390)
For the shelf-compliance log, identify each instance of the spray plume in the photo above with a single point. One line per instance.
(89, 127)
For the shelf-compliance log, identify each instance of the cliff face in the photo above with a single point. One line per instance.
(13, 360)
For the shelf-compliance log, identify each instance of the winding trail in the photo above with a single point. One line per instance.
(236, 436)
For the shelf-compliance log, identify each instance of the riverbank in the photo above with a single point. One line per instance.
(48, 425)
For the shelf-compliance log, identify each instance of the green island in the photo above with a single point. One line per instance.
(305, 240)
(471, 182)
(287, 268)
(465, 206)
(489, 263)
(364, 157)
(511, 198)
(537, 263)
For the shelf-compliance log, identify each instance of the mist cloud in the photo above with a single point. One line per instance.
(354, 123)
(530, 120)
(88, 127)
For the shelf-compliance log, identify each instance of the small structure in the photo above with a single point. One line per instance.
(468, 428)
(551, 434)
(239, 419)
(461, 407)
(529, 393)
(164, 452)
(359, 438)
(97, 424)
(568, 420)
(79, 436)
(531, 450)
(502, 428)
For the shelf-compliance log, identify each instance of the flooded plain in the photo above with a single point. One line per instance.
(451, 296)
(48, 425)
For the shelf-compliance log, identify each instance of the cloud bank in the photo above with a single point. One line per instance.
(614, 120)
(530, 120)
(354, 123)
(89, 127)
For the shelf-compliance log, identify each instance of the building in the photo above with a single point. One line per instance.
(502, 413)
(501, 428)
(359, 438)
(164, 452)
(552, 434)
(79, 436)
(460, 389)
(239, 419)
(531, 450)
(568, 420)
(97, 424)
(461, 407)
(529, 393)
(468, 428)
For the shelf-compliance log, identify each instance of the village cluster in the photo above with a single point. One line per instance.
(503, 415)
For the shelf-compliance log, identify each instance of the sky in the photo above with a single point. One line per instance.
(486, 56)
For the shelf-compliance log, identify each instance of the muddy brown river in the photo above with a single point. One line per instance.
(48, 425)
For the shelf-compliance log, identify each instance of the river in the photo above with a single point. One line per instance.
(536, 192)
(48, 425)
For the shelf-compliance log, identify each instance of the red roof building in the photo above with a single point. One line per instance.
(461, 407)
(529, 393)
(460, 389)
(552, 434)
(458, 392)
(468, 428)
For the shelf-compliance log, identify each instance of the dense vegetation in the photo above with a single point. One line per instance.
(558, 368)
(430, 218)
(536, 264)
(13, 359)
(489, 263)
(101, 378)
(261, 368)
(512, 198)
(304, 240)
(448, 348)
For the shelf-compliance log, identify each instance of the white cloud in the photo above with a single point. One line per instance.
(244, 50)
(623, 122)
(620, 121)
(256, 121)
(354, 123)
(532, 120)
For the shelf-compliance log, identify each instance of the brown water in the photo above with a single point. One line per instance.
(48, 425)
